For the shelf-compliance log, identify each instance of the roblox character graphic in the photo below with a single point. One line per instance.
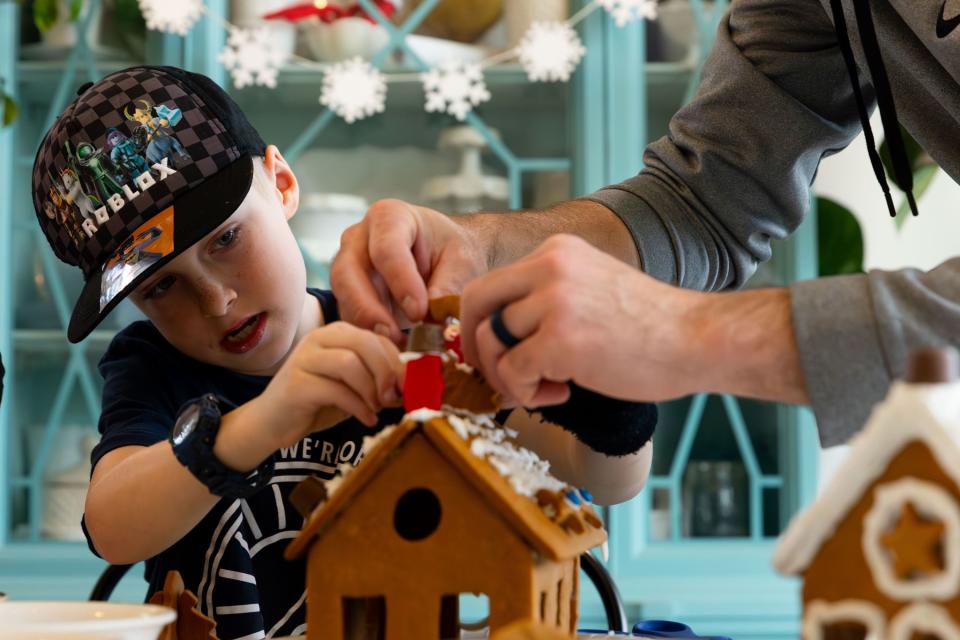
(58, 208)
(74, 193)
(125, 154)
(95, 169)
(155, 133)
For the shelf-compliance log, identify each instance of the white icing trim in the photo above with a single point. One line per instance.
(923, 617)
(930, 501)
(929, 413)
(423, 415)
(820, 612)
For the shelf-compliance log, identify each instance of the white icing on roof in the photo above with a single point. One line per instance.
(929, 413)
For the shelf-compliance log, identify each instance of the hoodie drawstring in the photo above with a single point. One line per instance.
(902, 173)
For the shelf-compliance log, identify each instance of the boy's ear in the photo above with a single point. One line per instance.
(284, 181)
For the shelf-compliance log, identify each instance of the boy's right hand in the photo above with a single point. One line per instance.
(335, 371)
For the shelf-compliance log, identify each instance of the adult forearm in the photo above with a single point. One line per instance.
(746, 344)
(510, 236)
(611, 479)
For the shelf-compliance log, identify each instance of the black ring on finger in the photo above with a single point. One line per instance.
(500, 330)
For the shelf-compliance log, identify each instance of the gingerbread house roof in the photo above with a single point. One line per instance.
(929, 413)
(480, 450)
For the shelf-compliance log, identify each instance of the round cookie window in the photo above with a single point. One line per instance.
(417, 514)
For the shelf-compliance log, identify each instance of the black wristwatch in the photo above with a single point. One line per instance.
(192, 438)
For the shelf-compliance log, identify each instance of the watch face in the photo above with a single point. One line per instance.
(186, 423)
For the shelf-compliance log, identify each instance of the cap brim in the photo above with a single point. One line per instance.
(192, 216)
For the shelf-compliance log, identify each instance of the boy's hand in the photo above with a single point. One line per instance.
(336, 371)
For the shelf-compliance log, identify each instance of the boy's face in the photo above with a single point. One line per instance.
(237, 299)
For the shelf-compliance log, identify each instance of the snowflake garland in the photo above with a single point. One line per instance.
(455, 88)
(171, 16)
(354, 90)
(550, 51)
(624, 11)
(250, 58)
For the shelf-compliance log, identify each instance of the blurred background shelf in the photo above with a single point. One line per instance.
(546, 142)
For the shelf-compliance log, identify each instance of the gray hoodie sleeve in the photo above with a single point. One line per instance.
(736, 170)
(855, 332)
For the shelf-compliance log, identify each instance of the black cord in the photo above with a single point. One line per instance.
(902, 172)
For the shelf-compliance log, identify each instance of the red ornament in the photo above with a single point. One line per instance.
(330, 12)
(423, 385)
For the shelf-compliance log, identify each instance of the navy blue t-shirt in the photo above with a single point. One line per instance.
(238, 546)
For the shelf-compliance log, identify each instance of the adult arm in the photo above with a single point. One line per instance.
(854, 335)
(611, 479)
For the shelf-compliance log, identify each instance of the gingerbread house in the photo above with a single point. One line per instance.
(443, 504)
(879, 551)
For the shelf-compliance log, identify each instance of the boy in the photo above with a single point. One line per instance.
(235, 389)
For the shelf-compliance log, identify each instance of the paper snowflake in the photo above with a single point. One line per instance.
(250, 58)
(624, 11)
(455, 88)
(171, 16)
(550, 51)
(354, 89)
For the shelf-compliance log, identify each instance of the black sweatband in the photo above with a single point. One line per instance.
(607, 425)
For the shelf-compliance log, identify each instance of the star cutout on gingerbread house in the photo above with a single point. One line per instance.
(914, 544)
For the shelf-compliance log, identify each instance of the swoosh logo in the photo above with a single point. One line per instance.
(946, 27)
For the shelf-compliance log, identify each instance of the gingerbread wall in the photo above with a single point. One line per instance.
(840, 571)
(472, 550)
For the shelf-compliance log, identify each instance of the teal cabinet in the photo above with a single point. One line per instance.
(723, 466)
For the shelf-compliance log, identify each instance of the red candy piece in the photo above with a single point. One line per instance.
(423, 386)
(454, 345)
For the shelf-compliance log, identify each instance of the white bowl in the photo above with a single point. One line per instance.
(82, 621)
(344, 38)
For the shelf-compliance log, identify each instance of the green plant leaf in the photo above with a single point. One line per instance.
(45, 14)
(9, 110)
(76, 6)
(916, 156)
(839, 239)
(128, 16)
(922, 178)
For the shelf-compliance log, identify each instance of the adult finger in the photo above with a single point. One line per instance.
(486, 294)
(457, 264)
(489, 350)
(521, 318)
(532, 370)
(353, 281)
(400, 252)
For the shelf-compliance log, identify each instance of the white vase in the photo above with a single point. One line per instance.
(63, 33)
(344, 38)
(248, 14)
(518, 15)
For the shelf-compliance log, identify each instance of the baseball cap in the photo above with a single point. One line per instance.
(142, 165)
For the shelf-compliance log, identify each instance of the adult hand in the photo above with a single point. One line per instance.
(397, 258)
(582, 316)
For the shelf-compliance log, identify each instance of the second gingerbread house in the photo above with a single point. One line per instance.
(879, 551)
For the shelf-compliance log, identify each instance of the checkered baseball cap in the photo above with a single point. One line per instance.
(140, 167)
